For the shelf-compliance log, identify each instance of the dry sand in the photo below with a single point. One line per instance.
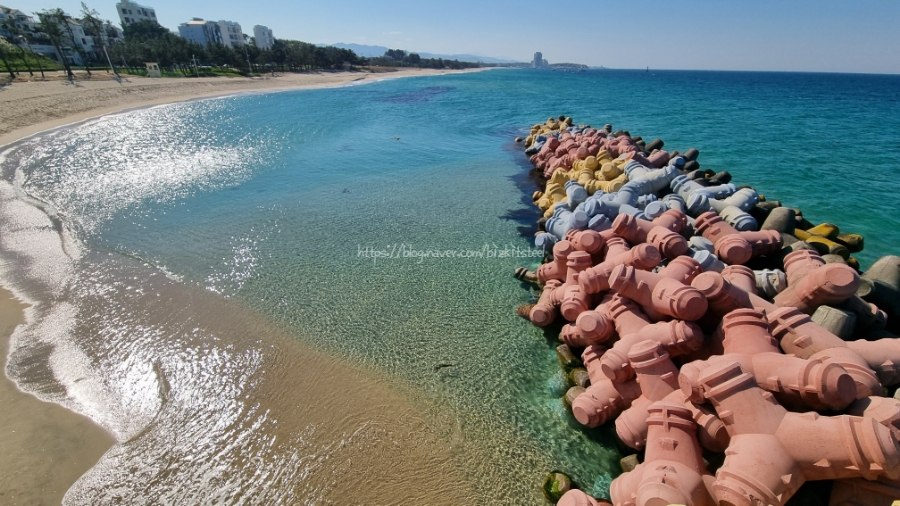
(44, 448)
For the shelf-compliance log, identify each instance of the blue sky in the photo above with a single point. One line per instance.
(825, 35)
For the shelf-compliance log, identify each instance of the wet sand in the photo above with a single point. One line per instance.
(335, 433)
(44, 447)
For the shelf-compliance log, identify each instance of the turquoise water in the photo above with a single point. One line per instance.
(272, 200)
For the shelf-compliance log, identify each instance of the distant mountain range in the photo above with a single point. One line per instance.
(371, 51)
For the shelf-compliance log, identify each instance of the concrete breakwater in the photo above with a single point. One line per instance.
(735, 345)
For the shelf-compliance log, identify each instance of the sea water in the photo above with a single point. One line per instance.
(378, 225)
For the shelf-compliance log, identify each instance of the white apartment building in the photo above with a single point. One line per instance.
(16, 18)
(81, 39)
(37, 42)
(262, 36)
(26, 25)
(232, 35)
(109, 34)
(72, 35)
(198, 30)
(131, 12)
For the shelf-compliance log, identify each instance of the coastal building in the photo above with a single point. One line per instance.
(262, 36)
(75, 39)
(25, 32)
(131, 12)
(89, 41)
(49, 51)
(201, 31)
(538, 61)
(78, 36)
(227, 33)
(112, 33)
(232, 35)
(14, 20)
(83, 35)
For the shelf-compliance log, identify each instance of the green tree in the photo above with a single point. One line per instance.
(307, 54)
(50, 27)
(322, 58)
(146, 41)
(395, 54)
(64, 22)
(144, 30)
(4, 50)
(92, 20)
(17, 34)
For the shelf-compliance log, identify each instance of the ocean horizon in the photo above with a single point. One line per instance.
(201, 273)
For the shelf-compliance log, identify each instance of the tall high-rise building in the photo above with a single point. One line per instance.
(538, 61)
(131, 12)
(262, 37)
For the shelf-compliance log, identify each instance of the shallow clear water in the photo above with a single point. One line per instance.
(149, 225)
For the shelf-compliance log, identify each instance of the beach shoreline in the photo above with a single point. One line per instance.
(49, 447)
(29, 108)
(46, 447)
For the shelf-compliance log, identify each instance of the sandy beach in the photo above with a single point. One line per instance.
(30, 107)
(46, 447)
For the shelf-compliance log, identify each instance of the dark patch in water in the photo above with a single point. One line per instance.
(528, 180)
(418, 96)
(526, 219)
